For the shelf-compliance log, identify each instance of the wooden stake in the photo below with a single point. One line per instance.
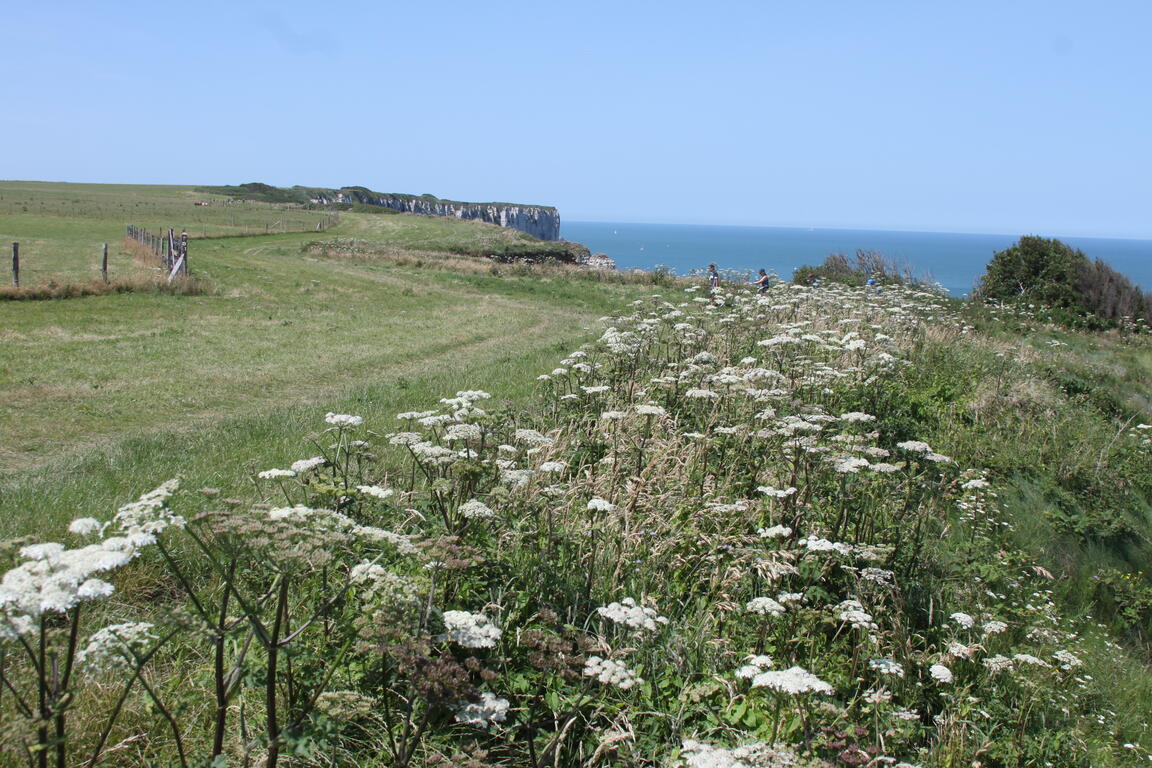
(104, 264)
(16, 264)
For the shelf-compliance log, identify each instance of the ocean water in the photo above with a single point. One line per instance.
(955, 261)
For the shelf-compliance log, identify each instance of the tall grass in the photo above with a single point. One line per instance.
(712, 538)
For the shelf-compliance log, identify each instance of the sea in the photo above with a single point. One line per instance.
(955, 261)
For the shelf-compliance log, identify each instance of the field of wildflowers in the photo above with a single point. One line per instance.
(714, 539)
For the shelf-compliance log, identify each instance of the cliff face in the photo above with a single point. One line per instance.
(540, 221)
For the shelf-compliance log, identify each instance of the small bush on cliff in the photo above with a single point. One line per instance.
(1049, 272)
(840, 268)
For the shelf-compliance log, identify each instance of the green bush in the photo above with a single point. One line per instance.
(1078, 292)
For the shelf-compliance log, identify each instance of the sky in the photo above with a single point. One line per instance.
(1002, 117)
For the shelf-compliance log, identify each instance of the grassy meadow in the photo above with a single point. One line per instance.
(431, 510)
(287, 323)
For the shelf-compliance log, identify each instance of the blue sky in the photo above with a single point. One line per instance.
(1007, 116)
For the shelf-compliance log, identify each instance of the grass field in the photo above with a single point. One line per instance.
(722, 525)
(286, 330)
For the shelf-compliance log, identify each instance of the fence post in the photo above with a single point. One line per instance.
(16, 264)
(104, 263)
(184, 250)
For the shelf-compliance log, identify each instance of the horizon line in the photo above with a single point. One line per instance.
(848, 228)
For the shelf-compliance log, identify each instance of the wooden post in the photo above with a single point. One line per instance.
(184, 250)
(104, 264)
(16, 264)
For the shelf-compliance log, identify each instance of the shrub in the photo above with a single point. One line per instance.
(866, 265)
(1051, 273)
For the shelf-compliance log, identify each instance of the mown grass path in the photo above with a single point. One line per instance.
(109, 392)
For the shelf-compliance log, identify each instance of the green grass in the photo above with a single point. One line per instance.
(112, 392)
(107, 396)
(62, 227)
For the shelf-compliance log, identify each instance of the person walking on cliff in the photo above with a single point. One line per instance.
(763, 281)
(713, 282)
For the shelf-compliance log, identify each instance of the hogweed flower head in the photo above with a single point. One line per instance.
(887, 667)
(476, 510)
(940, 673)
(633, 616)
(764, 606)
(794, 680)
(85, 526)
(611, 672)
(117, 645)
(470, 630)
(597, 504)
(490, 709)
(343, 420)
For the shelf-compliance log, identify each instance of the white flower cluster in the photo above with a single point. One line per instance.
(275, 474)
(1027, 658)
(940, 673)
(794, 680)
(997, 663)
(775, 532)
(532, 438)
(54, 580)
(141, 520)
(887, 667)
(85, 526)
(697, 754)
(326, 520)
(490, 709)
(631, 615)
(611, 672)
(307, 465)
(963, 620)
(754, 665)
(877, 575)
(375, 491)
(850, 465)
(816, 544)
(764, 606)
(343, 420)
(470, 630)
(994, 627)
(476, 510)
(118, 645)
(852, 612)
(466, 432)
(597, 504)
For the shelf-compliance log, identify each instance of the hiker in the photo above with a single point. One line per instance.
(764, 281)
(713, 277)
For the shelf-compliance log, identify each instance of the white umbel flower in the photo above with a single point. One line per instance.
(375, 491)
(476, 510)
(794, 680)
(764, 606)
(611, 672)
(470, 630)
(940, 673)
(343, 420)
(490, 709)
(633, 616)
(84, 526)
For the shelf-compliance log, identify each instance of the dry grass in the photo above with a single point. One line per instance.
(76, 289)
(148, 278)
